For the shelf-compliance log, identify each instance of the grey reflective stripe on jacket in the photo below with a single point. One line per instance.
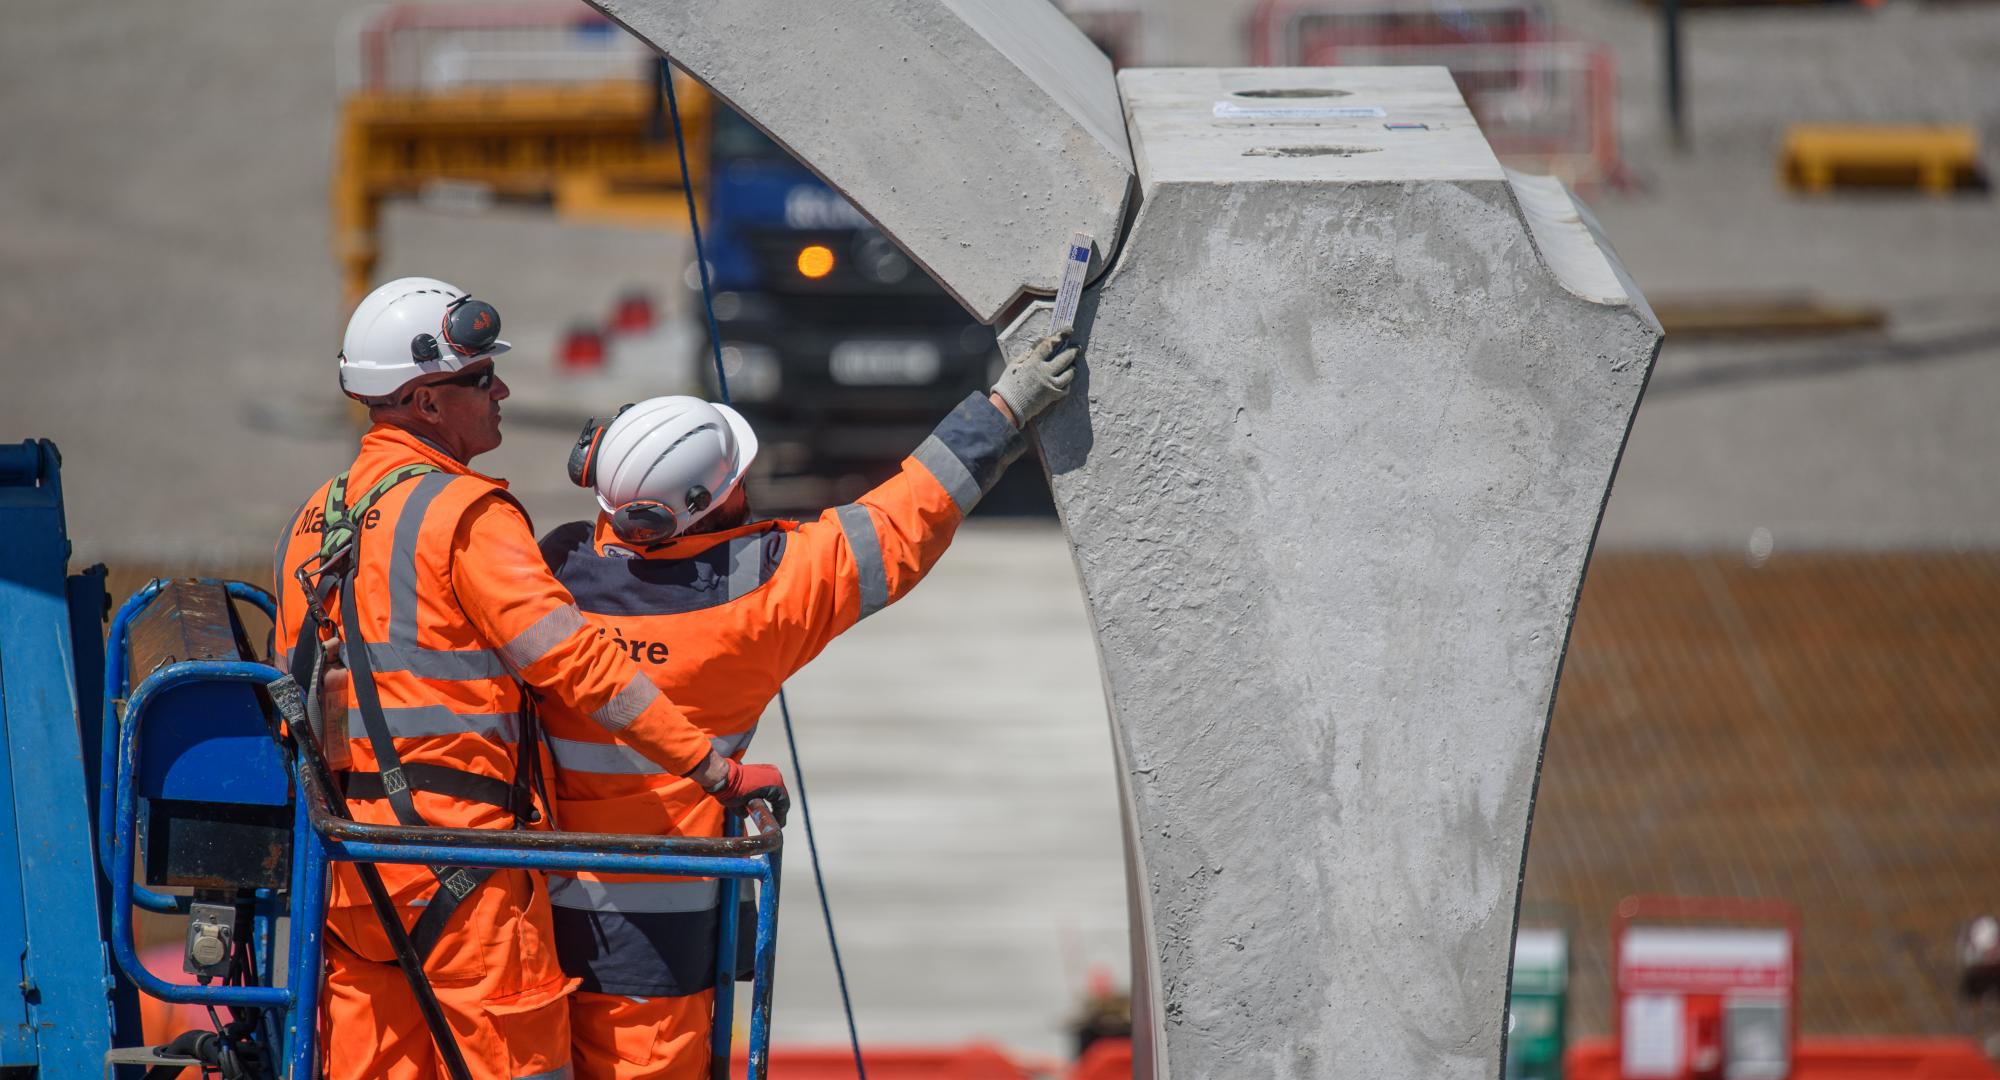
(618, 759)
(563, 1072)
(541, 638)
(632, 699)
(746, 570)
(730, 745)
(425, 721)
(646, 896)
(858, 525)
(970, 449)
(951, 473)
(401, 652)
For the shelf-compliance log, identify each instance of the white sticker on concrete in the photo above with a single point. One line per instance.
(1229, 110)
(1076, 260)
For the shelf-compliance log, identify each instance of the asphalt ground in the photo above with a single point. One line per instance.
(170, 310)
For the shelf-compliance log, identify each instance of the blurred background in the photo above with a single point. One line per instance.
(1782, 690)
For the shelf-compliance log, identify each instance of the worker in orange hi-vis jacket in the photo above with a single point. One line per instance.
(432, 616)
(719, 610)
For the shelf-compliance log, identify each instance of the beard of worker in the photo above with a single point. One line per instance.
(734, 511)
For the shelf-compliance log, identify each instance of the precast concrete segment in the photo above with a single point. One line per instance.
(977, 133)
(1352, 400)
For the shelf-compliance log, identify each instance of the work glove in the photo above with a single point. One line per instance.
(1038, 378)
(747, 782)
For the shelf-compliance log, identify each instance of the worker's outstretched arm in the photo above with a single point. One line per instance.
(509, 594)
(864, 556)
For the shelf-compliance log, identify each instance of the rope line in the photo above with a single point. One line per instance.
(784, 707)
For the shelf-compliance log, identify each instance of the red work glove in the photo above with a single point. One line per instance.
(747, 782)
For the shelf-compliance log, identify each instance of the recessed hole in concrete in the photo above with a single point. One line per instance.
(1293, 92)
(1309, 151)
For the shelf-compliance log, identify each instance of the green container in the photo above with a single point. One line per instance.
(1538, 1005)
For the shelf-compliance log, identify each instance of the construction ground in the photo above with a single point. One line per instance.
(1783, 671)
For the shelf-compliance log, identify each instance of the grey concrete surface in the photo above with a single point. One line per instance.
(1350, 408)
(170, 311)
(989, 129)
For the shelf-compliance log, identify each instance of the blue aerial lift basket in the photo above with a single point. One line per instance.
(191, 778)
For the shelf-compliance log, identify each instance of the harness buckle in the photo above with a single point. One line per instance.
(393, 781)
(459, 881)
(318, 576)
(524, 808)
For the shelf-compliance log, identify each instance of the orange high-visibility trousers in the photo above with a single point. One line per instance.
(627, 1038)
(371, 1028)
(495, 975)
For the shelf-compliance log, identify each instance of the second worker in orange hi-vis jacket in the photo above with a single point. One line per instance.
(719, 611)
(444, 616)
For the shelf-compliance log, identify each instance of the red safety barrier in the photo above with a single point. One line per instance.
(1827, 1059)
(973, 1061)
(427, 46)
(1545, 101)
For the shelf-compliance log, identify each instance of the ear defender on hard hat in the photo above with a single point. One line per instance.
(649, 521)
(470, 327)
(583, 456)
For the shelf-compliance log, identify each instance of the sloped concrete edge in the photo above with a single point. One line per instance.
(977, 133)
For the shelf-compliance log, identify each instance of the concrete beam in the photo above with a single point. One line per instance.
(1352, 402)
(976, 133)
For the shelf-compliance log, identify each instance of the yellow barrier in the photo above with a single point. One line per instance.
(1935, 159)
(594, 151)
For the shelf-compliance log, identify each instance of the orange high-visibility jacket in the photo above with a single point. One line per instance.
(456, 605)
(719, 621)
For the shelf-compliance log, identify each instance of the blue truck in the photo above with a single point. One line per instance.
(841, 350)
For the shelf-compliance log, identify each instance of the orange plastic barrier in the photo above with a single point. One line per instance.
(1828, 1059)
(974, 1061)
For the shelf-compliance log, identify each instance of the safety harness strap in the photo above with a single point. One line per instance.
(445, 780)
(455, 883)
(342, 523)
(303, 726)
(395, 782)
(339, 562)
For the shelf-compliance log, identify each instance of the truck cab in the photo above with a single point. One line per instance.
(841, 350)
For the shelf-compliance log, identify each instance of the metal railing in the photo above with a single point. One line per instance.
(323, 835)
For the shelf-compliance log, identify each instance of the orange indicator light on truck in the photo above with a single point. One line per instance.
(816, 261)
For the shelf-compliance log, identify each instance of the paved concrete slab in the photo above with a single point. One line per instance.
(1352, 402)
(977, 133)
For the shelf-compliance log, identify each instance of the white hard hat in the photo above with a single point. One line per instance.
(412, 327)
(679, 454)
